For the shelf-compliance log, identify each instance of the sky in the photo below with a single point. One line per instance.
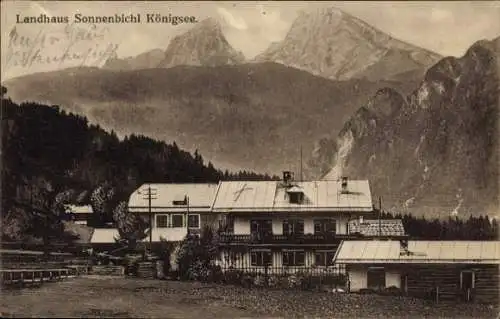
(447, 28)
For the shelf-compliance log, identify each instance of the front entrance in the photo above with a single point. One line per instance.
(376, 278)
(467, 279)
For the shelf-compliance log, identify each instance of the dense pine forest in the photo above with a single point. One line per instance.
(50, 158)
(451, 228)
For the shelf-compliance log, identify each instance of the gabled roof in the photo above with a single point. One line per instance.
(245, 195)
(255, 196)
(327, 196)
(375, 227)
(201, 197)
(420, 251)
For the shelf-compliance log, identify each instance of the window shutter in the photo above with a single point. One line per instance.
(253, 226)
(317, 226)
(253, 258)
(286, 258)
(267, 258)
(300, 258)
(286, 228)
(329, 258)
(318, 259)
(300, 227)
(332, 226)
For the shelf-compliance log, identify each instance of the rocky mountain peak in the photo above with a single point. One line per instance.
(437, 154)
(203, 45)
(331, 43)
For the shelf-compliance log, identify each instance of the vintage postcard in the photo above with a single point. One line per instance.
(251, 159)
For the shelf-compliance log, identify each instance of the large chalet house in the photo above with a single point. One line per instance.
(286, 223)
(266, 225)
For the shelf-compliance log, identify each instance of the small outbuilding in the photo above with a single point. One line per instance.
(466, 270)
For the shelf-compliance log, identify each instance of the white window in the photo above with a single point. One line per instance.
(293, 258)
(177, 220)
(162, 221)
(194, 221)
(261, 258)
(325, 226)
(324, 258)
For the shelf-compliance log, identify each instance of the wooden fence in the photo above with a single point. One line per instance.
(24, 277)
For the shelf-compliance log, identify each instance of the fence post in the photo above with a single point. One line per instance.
(266, 276)
(437, 294)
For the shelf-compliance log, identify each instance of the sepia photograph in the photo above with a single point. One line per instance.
(250, 159)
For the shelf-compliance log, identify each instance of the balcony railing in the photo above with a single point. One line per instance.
(256, 238)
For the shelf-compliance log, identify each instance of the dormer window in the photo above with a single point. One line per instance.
(344, 185)
(180, 200)
(295, 195)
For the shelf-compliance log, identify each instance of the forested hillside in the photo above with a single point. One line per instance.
(50, 158)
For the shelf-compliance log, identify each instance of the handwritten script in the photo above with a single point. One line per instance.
(73, 45)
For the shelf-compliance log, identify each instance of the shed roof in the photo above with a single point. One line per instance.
(109, 235)
(104, 236)
(77, 209)
(420, 251)
(201, 197)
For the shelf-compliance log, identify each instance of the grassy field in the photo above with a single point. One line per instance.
(92, 297)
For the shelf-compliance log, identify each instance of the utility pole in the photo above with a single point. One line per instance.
(187, 215)
(301, 178)
(379, 216)
(149, 196)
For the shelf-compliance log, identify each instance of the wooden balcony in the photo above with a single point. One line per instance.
(272, 239)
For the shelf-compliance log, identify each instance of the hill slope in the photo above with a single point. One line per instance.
(435, 151)
(252, 116)
(333, 44)
(146, 60)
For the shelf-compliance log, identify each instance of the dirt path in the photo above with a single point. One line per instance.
(122, 297)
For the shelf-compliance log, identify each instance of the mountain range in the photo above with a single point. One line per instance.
(248, 116)
(434, 150)
(423, 135)
(327, 42)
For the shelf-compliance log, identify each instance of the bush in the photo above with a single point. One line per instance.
(365, 291)
(232, 277)
(247, 280)
(196, 256)
(391, 291)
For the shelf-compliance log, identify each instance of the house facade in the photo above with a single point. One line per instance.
(175, 209)
(457, 270)
(287, 226)
(282, 226)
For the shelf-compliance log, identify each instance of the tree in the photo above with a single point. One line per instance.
(102, 200)
(47, 210)
(131, 228)
(197, 255)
